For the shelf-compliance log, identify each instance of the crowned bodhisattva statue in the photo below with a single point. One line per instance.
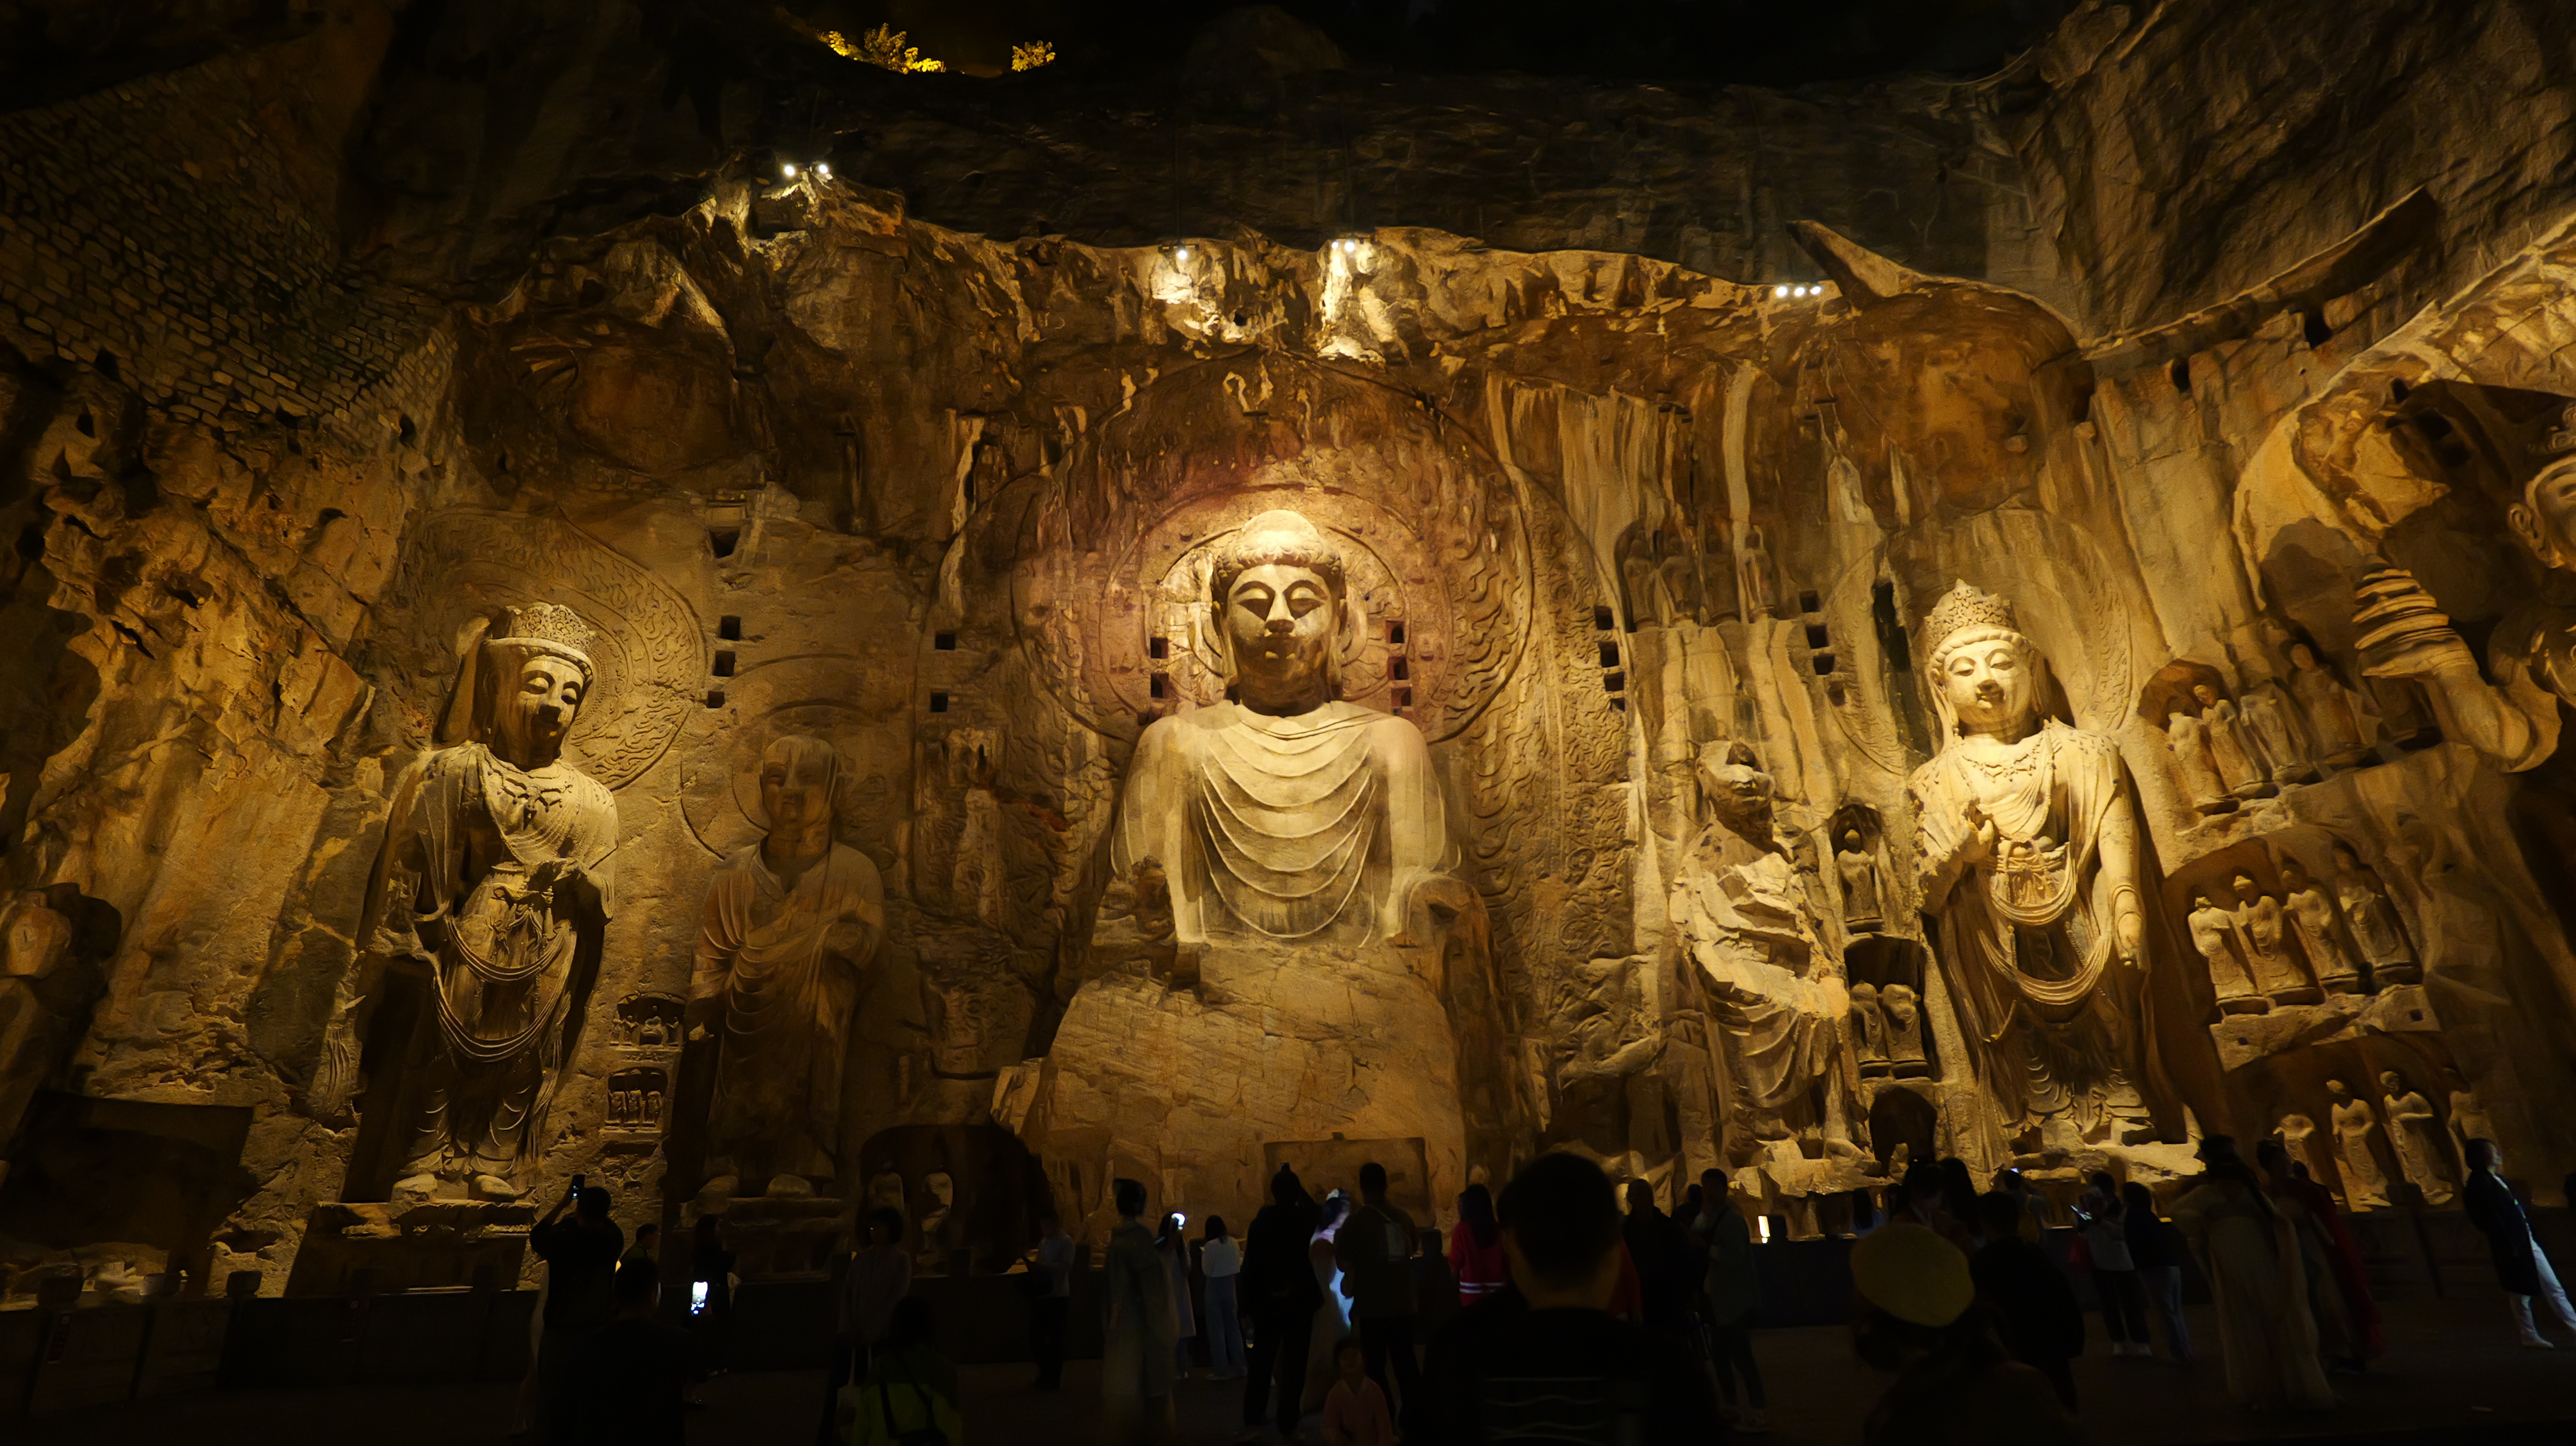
(1283, 934)
(494, 879)
(2029, 842)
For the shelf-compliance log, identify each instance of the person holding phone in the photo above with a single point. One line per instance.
(581, 1274)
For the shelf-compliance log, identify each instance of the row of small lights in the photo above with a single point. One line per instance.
(1785, 291)
(822, 171)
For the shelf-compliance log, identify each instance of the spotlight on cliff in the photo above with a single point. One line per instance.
(1778, 292)
(822, 171)
(788, 170)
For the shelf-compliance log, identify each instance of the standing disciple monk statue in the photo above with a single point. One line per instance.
(787, 926)
(2030, 852)
(494, 877)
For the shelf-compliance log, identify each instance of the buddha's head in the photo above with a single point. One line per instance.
(1984, 673)
(539, 670)
(799, 782)
(1282, 614)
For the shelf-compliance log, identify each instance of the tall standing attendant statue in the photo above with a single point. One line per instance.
(2029, 842)
(494, 878)
(788, 924)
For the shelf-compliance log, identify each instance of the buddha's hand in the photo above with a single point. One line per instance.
(2438, 654)
(1974, 843)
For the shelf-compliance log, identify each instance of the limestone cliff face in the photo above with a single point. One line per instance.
(295, 375)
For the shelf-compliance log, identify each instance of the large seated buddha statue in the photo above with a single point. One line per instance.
(1283, 939)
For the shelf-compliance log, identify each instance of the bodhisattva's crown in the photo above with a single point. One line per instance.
(1961, 609)
(547, 628)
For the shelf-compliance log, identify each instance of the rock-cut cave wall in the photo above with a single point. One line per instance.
(312, 352)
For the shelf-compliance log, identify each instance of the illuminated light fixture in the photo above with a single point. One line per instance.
(1765, 1222)
(823, 170)
(1180, 253)
(1779, 291)
(788, 170)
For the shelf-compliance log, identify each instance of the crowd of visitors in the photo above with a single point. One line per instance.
(1569, 1308)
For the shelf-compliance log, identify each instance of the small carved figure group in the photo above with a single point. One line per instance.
(2415, 1137)
(2246, 946)
(2230, 753)
(635, 1100)
(1887, 1032)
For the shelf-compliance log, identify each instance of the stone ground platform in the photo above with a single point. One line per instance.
(2453, 1373)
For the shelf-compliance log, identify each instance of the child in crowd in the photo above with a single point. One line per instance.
(1355, 1412)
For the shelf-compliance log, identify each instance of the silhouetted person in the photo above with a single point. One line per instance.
(1729, 1293)
(2035, 1309)
(2521, 1266)
(880, 1274)
(581, 1293)
(647, 1246)
(1546, 1361)
(1053, 1262)
(910, 1395)
(1138, 1328)
(1955, 1384)
(1375, 1251)
(1280, 1294)
(630, 1376)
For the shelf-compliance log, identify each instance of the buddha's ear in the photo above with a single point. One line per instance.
(1220, 643)
(1350, 640)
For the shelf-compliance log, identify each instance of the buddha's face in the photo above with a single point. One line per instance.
(796, 791)
(2393, 1082)
(532, 721)
(1989, 685)
(1735, 789)
(1281, 623)
(2545, 519)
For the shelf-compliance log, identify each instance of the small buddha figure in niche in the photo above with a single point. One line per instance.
(1859, 868)
(786, 927)
(2514, 720)
(2374, 921)
(494, 878)
(2314, 915)
(2416, 1133)
(2261, 923)
(1869, 1031)
(1288, 814)
(2031, 865)
(1905, 1033)
(2328, 705)
(2238, 754)
(2189, 741)
(2365, 1183)
(2213, 935)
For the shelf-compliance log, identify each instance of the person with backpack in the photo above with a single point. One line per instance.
(2035, 1310)
(910, 1395)
(2099, 1225)
(1375, 1251)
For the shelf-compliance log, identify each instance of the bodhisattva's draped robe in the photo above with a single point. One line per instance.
(2029, 933)
(765, 950)
(471, 830)
(1741, 911)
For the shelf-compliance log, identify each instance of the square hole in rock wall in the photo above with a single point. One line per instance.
(1399, 668)
(938, 702)
(1809, 602)
(729, 629)
(724, 663)
(1614, 681)
(722, 540)
(1609, 655)
(1156, 688)
(715, 697)
(1395, 635)
(1404, 697)
(944, 642)
(1604, 619)
(1158, 648)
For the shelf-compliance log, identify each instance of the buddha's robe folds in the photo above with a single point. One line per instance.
(1285, 828)
(786, 971)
